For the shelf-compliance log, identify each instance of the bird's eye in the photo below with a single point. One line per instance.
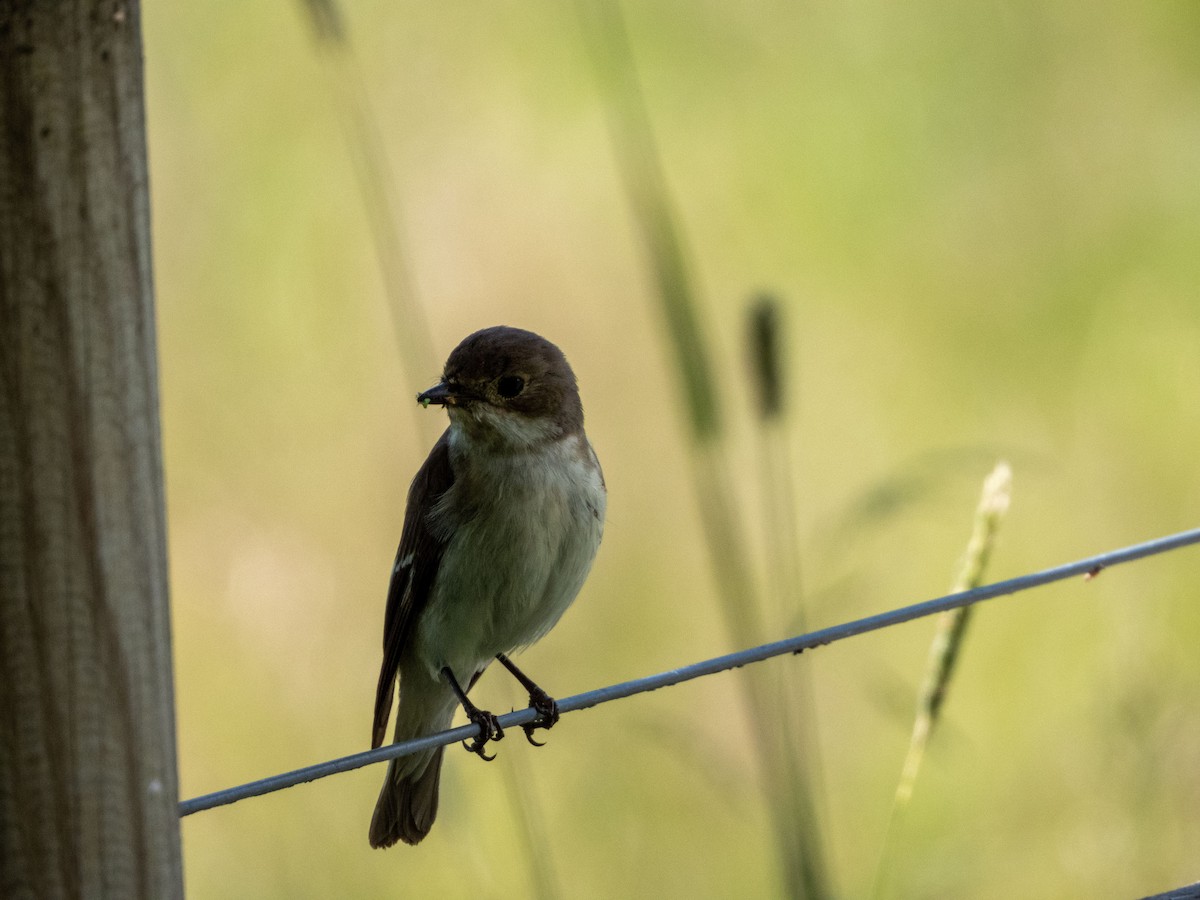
(508, 386)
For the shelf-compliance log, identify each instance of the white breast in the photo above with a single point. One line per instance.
(524, 529)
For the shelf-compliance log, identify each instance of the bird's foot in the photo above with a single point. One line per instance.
(547, 710)
(489, 730)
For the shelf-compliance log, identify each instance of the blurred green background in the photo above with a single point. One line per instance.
(984, 222)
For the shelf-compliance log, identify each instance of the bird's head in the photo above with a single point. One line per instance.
(508, 387)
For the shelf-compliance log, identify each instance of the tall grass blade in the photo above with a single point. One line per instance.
(946, 646)
(801, 863)
(381, 199)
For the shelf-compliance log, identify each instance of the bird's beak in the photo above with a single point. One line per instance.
(441, 394)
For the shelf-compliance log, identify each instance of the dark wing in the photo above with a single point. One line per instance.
(416, 565)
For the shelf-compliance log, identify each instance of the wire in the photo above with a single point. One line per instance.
(1089, 567)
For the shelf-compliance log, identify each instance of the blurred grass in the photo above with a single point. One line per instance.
(783, 763)
(380, 198)
(792, 708)
(984, 221)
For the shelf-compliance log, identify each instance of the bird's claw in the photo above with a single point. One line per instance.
(476, 747)
(529, 730)
(547, 710)
(489, 730)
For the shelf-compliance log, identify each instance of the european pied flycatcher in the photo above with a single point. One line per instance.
(503, 521)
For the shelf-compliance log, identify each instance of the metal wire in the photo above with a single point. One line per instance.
(1087, 567)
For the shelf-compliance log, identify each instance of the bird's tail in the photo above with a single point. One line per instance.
(408, 801)
(407, 804)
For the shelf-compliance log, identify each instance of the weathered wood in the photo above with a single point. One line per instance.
(88, 785)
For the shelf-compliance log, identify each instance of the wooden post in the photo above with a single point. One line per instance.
(88, 785)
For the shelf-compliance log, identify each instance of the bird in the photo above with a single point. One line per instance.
(502, 524)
